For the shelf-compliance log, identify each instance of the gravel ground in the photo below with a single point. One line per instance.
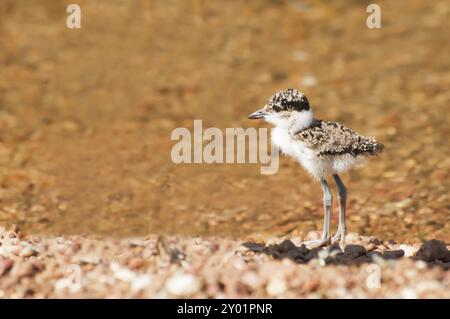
(85, 129)
(167, 267)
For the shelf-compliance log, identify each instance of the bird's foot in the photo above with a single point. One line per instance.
(312, 244)
(339, 236)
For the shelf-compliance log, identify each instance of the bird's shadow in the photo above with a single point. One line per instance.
(352, 254)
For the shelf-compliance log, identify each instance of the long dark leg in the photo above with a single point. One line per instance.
(342, 196)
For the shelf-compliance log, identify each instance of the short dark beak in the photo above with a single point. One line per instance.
(258, 114)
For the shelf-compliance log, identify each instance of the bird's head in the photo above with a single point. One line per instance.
(286, 108)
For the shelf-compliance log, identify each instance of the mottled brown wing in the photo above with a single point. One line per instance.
(331, 139)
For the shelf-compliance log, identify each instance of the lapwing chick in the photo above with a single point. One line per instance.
(323, 148)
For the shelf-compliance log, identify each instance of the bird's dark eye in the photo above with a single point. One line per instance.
(276, 108)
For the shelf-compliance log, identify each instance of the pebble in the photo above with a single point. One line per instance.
(432, 250)
(28, 251)
(182, 284)
(393, 254)
(23, 270)
(408, 293)
(141, 282)
(7, 250)
(409, 251)
(66, 284)
(251, 279)
(2, 231)
(122, 273)
(286, 246)
(297, 241)
(352, 238)
(276, 286)
(313, 235)
(354, 251)
(371, 246)
(5, 265)
(93, 259)
(136, 263)
(375, 241)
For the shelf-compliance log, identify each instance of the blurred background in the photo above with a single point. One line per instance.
(86, 114)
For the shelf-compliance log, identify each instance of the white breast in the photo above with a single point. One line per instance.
(282, 139)
(316, 166)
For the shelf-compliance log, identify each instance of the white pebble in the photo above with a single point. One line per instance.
(28, 251)
(409, 250)
(66, 284)
(122, 273)
(276, 286)
(420, 264)
(181, 284)
(141, 282)
(408, 293)
(7, 250)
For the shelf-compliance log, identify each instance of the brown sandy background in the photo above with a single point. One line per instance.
(86, 115)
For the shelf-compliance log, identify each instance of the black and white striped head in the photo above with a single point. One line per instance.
(284, 107)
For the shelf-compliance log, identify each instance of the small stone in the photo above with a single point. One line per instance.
(297, 240)
(295, 254)
(420, 264)
(140, 283)
(276, 286)
(93, 259)
(2, 231)
(28, 251)
(122, 273)
(76, 246)
(352, 238)
(182, 284)
(24, 270)
(393, 254)
(375, 241)
(371, 246)
(5, 265)
(313, 235)
(251, 279)
(311, 255)
(7, 250)
(255, 247)
(298, 252)
(66, 284)
(408, 250)
(286, 246)
(135, 263)
(432, 250)
(354, 251)
(408, 293)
